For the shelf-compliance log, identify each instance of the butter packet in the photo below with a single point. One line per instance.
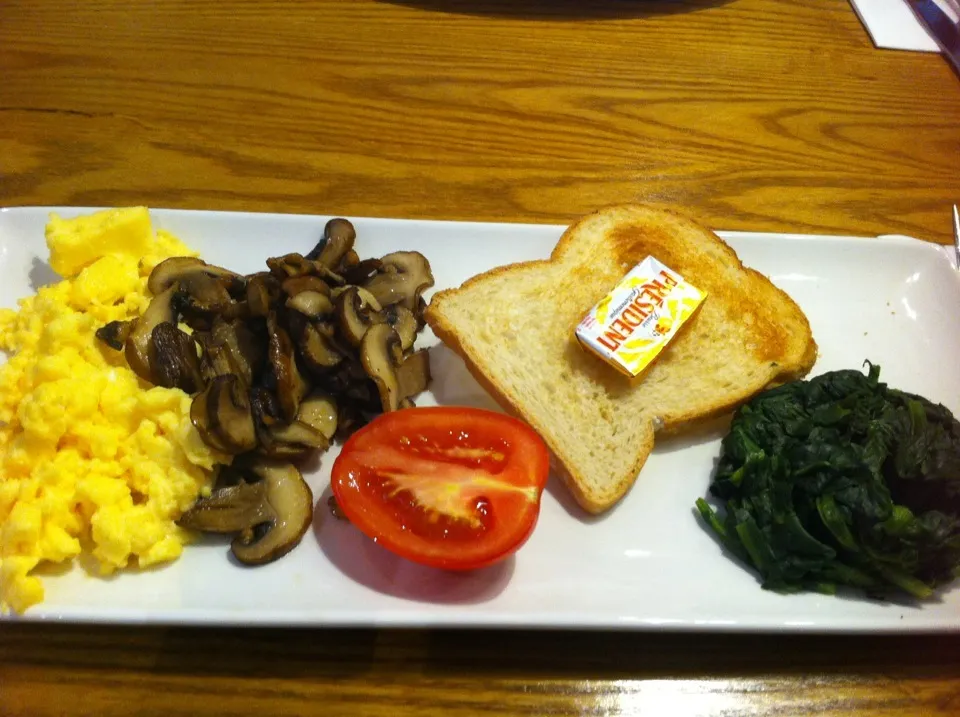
(632, 324)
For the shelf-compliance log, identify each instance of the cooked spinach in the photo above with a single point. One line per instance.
(841, 480)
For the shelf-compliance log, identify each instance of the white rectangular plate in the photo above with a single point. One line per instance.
(647, 564)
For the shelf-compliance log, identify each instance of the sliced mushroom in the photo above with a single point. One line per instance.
(311, 304)
(291, 501)
(273, 341)
(115, 334)
(404, 323)
(381, 355)
(357, 311)
(230, 509)
(291, 388)
(218, 360)
(174, 361)
(404, 275)
(338, 238)
(318, 351)
(232, 347)
(362, 272)
(319, 411)
(266, 412)
(200, 417)
(420, 313)
(247, 344)
(228, 411)
(263, 294)
(138, 349)
(270, 509)
(279, 439)
(290, 265)
(396, 378)
(292, 441)
(348, 373)
(298, 284)
(176, 269)
(413, 375)
(330, 276)
(206, 295)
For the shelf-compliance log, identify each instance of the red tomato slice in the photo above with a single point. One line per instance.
(450, 487)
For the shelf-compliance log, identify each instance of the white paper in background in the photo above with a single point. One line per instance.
(892, 24)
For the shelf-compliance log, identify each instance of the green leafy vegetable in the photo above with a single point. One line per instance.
(841, 480)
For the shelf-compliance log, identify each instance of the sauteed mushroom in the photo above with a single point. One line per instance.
(267, 503)
(362, 272)
(291, 387)
(174, 361)
(115, 334)
(298, 284)
(358, 310)
(280, 362)
(232, 347)
(290, 265)
(404, 323)
(263, 294)
(319, 411)
(403, 276)
(316, 347)
(338, 238)
(205, 295)
(228, 414)
(138, 348)
(291, 502)
(384, 362)
(180, 268)
(312, 304)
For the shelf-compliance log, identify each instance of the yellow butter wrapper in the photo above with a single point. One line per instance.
(632, 324)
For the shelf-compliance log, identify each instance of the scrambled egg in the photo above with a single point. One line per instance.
(93, 462)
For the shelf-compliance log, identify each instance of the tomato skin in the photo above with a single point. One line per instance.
(451, 487)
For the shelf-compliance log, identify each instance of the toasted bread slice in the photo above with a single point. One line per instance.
(514, 328)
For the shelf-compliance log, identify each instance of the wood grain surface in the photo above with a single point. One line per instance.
(751, 114)
(56, 670)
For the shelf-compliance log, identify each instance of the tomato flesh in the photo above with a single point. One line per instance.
(451, 487)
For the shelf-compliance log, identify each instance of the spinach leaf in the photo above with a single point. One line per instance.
(841, 480)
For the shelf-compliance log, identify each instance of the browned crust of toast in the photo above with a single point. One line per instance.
(780, 372)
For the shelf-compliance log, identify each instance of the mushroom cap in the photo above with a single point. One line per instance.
(291, 387)
(266, 502)
(357, 311)
(174, 362)
(381, 355)
(230, 509)
(291, 501)
(311, 304)
(138, 348)
(338, 239)
(176, 269)
(404, 275)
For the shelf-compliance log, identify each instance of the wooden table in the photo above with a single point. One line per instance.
(751, 114)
